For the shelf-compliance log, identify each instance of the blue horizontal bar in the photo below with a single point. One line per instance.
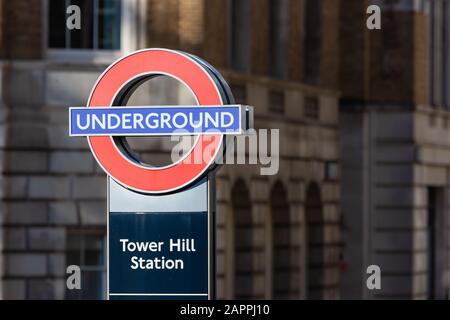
(158, 120)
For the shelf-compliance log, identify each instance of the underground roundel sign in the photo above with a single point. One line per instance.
(105, 121)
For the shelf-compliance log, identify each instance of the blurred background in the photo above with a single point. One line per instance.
(364, 142)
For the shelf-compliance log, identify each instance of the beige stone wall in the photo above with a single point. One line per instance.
(394, 158)
(305, 147)
(51, 184)
(393, 155)
(431, 170)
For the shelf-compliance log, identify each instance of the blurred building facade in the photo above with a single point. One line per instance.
(274, 232)
(395, 138)
(284, 236)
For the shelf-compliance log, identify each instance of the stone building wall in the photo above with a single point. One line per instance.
(51, 186)
(393, 161)
(394, 172)
(50, 181)
(307, 146)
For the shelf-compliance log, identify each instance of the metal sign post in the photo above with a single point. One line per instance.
(165, 240)
(160, 219)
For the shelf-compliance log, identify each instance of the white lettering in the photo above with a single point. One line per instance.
(110, 120)
(141, 246)
(96, 120)
(153, 124)
(126, 121)
(137, 120)
(156, 263)
(163, 121)
(195, 123)
(184, 119)
(134, 263)
(124, 242)
(210, 119)
(165, 118)
(222, 119)
(88, 122)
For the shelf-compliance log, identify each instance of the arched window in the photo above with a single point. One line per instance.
(285, 257)
(243, 245)
(240, 39)
(312, 41)
(315, 242)
(278, 37)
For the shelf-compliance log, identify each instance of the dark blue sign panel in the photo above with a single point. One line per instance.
(135, 121)
(158, 255)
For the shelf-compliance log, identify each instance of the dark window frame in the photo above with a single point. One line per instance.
(97, 12)
(85, 266)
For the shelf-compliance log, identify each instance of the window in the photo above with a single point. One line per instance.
(431, 241)
(276, 101)
(278, 37)
(311, 107)
(436, 244)
(315, 240)
(240, 35)
(312, 41)
(245, 252)
(285, 270)
(87, 249)
(438, 51)
(100, 25)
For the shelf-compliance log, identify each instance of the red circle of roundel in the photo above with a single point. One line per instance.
(132, 175)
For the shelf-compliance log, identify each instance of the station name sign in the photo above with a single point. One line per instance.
(161, 220)
(159, 120)
(174, 245)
